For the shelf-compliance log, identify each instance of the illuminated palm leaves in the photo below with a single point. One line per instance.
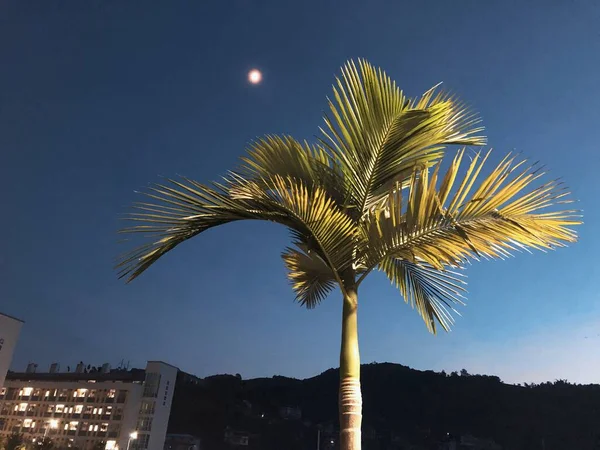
(311, 277)
(185, 209)
(435, 227)
(367, 196)
(378, 135)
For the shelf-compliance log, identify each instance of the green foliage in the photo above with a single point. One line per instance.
(14, 441)
(45, 444)
(99, 445)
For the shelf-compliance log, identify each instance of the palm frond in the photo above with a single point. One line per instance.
(182, 209)
(378, 136)
(312, 212)
(286, 157)
(503, 214)
(310, 276)
(433, 292)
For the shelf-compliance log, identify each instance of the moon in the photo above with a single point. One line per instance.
(255, 76)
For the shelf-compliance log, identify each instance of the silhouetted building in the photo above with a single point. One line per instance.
(468, 442)
(182, 442)
(290, 412)
(236, 438)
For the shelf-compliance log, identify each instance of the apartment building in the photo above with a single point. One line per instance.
(90, 408)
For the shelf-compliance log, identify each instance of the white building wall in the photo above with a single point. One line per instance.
(160, 385)
(9, 333)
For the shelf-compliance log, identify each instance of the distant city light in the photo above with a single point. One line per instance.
(254, 76)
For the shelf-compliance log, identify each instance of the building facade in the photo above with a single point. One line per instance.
(9, 333)
(90, 408)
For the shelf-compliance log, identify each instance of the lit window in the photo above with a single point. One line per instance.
(73, 425)
(95, 411)
(60, 408)
(50, 408)
(99, 410)
(47, 394)
(78, 409)
(104, 427)
(2, 391)
(110, 445)
(26, 391)
(108, 409)
(22, 406)
(70, 410)
(95, 427)
(80, 392)
(88, 410)
(66, 426)
(111, 394)
(27, 423)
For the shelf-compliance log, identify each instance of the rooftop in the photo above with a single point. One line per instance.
(114, 375)
(11, 317)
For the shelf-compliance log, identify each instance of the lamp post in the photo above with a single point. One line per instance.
(51, 424)
(132, 436)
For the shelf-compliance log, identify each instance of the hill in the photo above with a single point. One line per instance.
(403, 408)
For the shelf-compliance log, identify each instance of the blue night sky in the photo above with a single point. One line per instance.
(99, 98)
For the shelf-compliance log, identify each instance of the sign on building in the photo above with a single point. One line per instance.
(9, 332)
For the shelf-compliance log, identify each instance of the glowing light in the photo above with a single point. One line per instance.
(53, 423)
(133, 435)
(255, 76)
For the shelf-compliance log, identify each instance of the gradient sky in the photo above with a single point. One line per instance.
(98, 98)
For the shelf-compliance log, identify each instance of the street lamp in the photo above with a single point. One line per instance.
(132, 437)
(51, 424)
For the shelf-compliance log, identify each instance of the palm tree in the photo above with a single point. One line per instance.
(368, 195)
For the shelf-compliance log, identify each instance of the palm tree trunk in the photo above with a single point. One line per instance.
(350, 400)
